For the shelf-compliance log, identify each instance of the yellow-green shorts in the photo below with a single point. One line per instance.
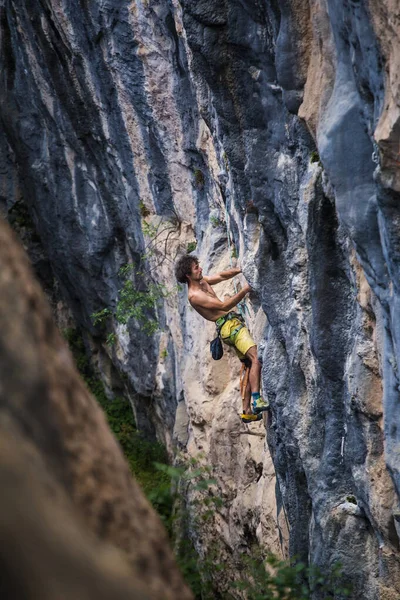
(242, 341)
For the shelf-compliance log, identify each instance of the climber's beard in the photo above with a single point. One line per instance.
(196, 274)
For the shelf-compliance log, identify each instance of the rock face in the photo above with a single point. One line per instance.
(131, 130)
(73, 521)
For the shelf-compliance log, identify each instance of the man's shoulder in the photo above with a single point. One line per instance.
(194, 295)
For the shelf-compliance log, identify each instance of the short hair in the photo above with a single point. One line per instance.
(184, 267)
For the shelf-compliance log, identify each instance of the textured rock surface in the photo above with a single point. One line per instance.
(69, 500)
(282, 119)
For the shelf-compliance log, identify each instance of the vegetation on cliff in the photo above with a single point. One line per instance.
(141, 454)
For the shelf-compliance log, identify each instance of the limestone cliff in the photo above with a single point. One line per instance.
(133, 129)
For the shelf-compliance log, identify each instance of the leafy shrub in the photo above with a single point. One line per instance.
(144, 211)
(215, 222)
(190, 247)
(314, 157)
(260, 577)
(98, 318)
(271, 578)
(111, 339)
(133, 304)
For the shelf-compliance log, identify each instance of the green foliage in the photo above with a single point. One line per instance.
(126, 270)
(19, 215)
(19, 218)
(187, 558)
(100, 317)
(215, 222)
(188, 561)
(133, 303)
(191, 246)
(149, 229)
(111, 339)
(260, 577)
(234, 253)
(271, 578)
(314, 157)
(144, 211)
(192, 476)
(164, 353)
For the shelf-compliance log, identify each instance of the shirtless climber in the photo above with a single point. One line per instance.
(233, 332)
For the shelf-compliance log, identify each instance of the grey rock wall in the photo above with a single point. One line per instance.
(322, 212)
(280, 122)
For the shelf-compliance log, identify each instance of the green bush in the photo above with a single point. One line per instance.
(144, 211)
(190, 247)
(133, 304)
(260, 577)
(215, 222)
(271, 578)
(314, 157)
(19, 215)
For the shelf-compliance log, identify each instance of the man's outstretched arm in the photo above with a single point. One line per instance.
(223, 276)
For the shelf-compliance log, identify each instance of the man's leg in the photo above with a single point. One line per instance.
(248, 416)
(255, 369)
(258, 405)
(253, 404)
(247, 399)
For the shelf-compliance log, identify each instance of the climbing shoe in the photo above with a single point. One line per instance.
(250, 418)
(259, 405)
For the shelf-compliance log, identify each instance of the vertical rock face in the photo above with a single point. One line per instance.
(136, 128)
(323, 246)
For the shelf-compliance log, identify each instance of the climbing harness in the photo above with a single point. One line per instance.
(221, 322)
(216, 347)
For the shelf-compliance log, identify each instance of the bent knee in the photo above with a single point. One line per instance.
(251, 354)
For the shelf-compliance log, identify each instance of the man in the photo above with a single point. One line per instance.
(233, 331)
